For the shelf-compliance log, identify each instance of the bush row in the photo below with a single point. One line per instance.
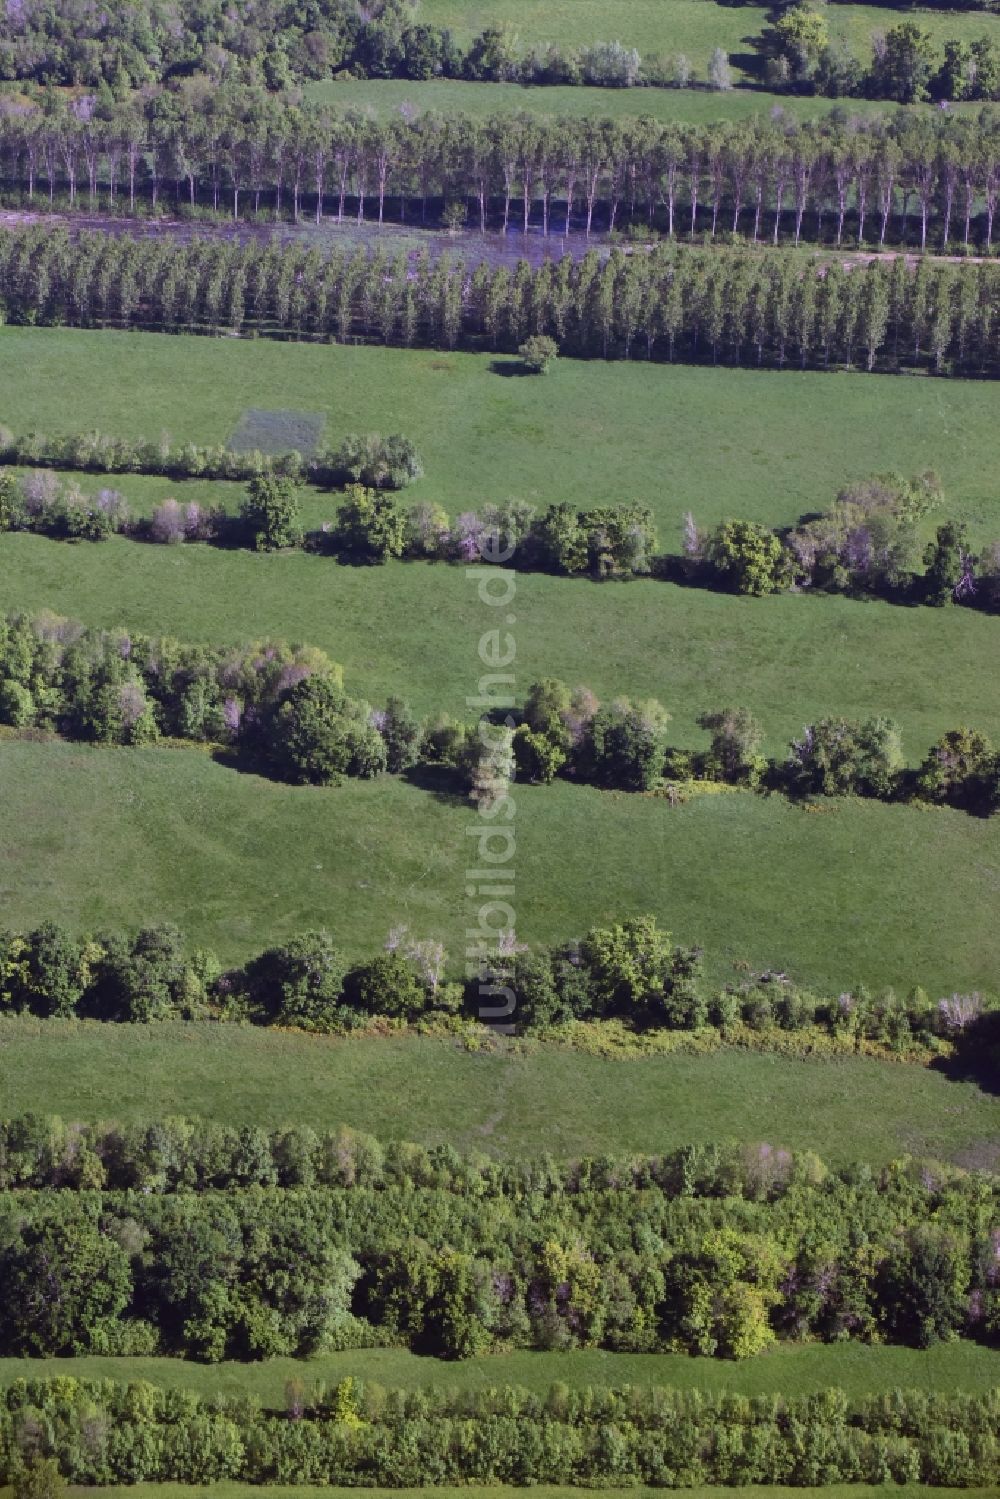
(284, 708)
(357, 1434)
(866, 544)
(738, 307)
(630, 971)
(369, 458)
(906, 1255)
(176, 1154)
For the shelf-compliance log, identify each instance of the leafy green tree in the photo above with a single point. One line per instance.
(300, 982)
(386, 985)
(626, 744)
(962, 769)
(371, 525)
(803, 36)
(924, 1286)
(17, 706)
(318, 735)
(901, 69)
(539, 759)
(547, 709)
(66, 1285)
(12, 513)
(56, 971)
(562, 540)
(400, 732)
(719, 1295)
(271, 513)
(378, 462)
(635, 970)
(40, 1478)
(841, 756)
(947, 560)
(748, 558)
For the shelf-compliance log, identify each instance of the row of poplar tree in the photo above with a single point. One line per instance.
(736, 307)
(883, 179)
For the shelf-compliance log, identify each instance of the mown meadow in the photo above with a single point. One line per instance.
(510, 1102)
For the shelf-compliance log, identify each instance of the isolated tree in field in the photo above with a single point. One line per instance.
(538, 353)
(271, 513)
(963, 770)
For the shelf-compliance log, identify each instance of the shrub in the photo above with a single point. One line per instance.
(376, 461)
(538, 353)
(386, 985)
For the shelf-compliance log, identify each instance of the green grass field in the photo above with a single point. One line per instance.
(852, 891)
(882, 893)
(859, 1370)
(551, 1099)
(384, 97)
(722, 442)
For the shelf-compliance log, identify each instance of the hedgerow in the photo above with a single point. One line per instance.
(357, 1434)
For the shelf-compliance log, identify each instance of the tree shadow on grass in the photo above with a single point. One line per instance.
(510, 368)
(439, 781)
(977, 1056)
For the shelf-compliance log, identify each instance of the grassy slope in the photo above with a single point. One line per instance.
(433, 1091)
(852, 1367)
(853, 890)
(719, 441)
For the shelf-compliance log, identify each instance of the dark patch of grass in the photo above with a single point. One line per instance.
(277, 432)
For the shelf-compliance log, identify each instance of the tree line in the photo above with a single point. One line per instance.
(283, 708)
(906, 1255)
(866, 544)
(360, 1434)
(278, 45)
(737, 307)
(631, 972)
(871, 180)
(176, 1154)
